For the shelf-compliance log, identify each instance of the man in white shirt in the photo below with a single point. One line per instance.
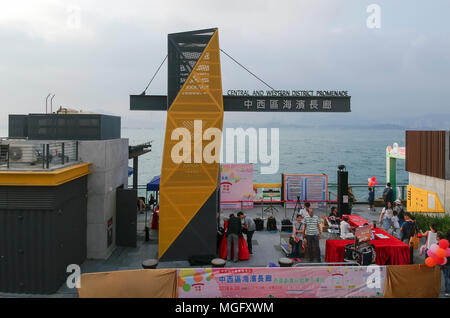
(304, 212)
(346, 232)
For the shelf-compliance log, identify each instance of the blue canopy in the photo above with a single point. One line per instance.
(154, 184)
(130, 171)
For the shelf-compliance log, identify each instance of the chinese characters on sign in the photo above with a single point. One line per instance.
(341, 281)
(287, 104)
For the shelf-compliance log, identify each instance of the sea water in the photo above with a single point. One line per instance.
(304, 151)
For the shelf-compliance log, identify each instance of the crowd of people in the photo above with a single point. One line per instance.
(306, 231)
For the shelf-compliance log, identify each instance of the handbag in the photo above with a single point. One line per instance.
(292, 241)
(414, 241)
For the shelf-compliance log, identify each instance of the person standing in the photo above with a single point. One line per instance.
(234, 231)
(388, 194)
(408, 228)
(250, 227)
(371, 199)
(297, 238)
(400, 212)
(304, 210)
(446, 268)
(313, 234)
(386, 217)
(351, 200)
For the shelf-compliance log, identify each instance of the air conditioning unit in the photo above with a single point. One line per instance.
(22, 153)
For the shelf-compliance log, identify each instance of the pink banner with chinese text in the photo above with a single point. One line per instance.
(282, 282)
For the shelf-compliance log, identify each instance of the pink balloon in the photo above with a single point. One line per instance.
(448, 252)
(429, 253)
(433, 248)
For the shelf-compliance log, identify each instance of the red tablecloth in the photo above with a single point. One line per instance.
(155, 219)
(355, 221)
(390, 251)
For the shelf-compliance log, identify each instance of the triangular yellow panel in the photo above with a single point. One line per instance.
(421, 200)
(185, 187)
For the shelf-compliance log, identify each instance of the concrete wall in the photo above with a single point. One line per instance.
(440, 186)
(109, 171)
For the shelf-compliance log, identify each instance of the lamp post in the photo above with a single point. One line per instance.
(46, 100)
(51, 103)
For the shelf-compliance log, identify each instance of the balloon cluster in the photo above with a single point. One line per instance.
(372, 181)
(437, 254)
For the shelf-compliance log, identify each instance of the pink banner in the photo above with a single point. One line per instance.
(282, 282)
(236, 185)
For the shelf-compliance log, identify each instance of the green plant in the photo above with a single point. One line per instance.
(423, 222)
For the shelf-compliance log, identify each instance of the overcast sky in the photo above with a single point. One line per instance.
(94, 54)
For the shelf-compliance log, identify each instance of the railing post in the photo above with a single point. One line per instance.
(43, 156)
(62, 153)
(48, 156)
(76, 150)
(7, 159)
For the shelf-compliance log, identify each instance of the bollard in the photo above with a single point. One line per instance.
(150, 263)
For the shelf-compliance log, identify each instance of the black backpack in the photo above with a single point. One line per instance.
(386, 194)
(259, 223)
(271, 224)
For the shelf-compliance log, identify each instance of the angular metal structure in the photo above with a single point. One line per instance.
(189, 191)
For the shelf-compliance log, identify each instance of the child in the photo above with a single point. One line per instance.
(431, 236)
(371, 199)
(395, 225)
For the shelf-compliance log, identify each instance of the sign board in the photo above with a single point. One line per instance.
(362, 236)
(307, 187)
(421, 200)
(236, 184)
(282, 282)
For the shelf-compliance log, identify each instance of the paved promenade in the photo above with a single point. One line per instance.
(266, 247)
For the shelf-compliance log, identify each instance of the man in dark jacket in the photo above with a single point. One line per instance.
(234, 231)
(388, 195)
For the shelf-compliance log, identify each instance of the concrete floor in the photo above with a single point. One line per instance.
(266, 248)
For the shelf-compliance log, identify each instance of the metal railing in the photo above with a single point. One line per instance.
(361, 191)
(37, 155)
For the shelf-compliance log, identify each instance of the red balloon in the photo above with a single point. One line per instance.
(441, 261)
(430, 262)
(443, 244)
(373, 179)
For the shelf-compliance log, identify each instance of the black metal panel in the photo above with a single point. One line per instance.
(256, 104)
(17, 127)
(69, 127)
(38, 243)
(199, 237)
(184, 50)
(126, 216)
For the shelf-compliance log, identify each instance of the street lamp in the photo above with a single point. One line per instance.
(46, 99)
(51, 103)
